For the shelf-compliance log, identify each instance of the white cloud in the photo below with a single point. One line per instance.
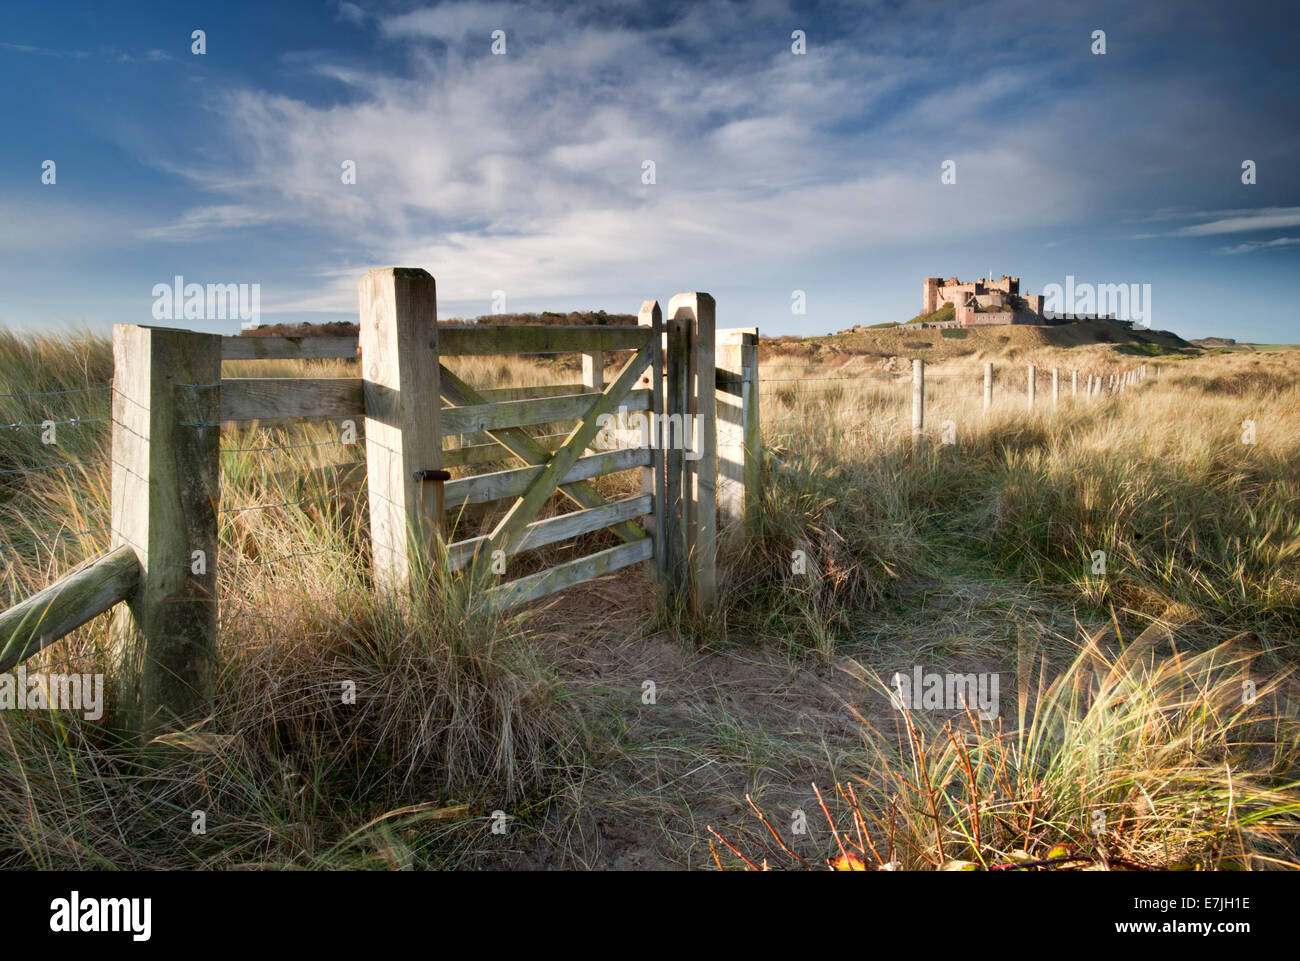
(1265, 218)
(523, 172)
(1250, 246)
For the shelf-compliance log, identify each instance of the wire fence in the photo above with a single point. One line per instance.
(879, 406)
(55, 501)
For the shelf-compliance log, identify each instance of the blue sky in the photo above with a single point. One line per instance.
(774, 172)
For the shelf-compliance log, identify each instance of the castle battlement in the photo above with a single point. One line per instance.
(989, 294)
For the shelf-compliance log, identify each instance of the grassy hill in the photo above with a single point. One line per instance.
(869, 348)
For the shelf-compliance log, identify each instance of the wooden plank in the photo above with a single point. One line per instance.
(290, 398)
(522, 413)
(511, 527)
(399, 361)
(65, 605)
(731, 434)
(165, 496)
(289, 348)
(593, 371)
(753, 437)
(528, 393)
(531, 451)
(513, 483)
(652, 477)
(701, 469)
(476, 454)
(525, 589)
(735, 336)
(501, 339)
(553, 530)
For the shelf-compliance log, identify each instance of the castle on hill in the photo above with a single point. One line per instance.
(982, 302)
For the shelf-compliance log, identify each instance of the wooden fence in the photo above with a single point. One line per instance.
(1098, 384)
(696, 386)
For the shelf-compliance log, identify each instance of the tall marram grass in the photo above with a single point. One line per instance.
(348, 730)
(1138, 759)
(1195, 523)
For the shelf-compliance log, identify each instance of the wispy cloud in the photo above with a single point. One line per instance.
(1234, 222)
(527, 168)
(1250, 246)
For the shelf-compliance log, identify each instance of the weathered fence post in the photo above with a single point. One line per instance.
(1074, 383)
(988, 387)
(1032, 384)
(701, 473)
(918, 403)
(593, 370)
(739, 447)
(399, 368)
(677, 363)
(1056, 387)
(654, 477)
(166, 477)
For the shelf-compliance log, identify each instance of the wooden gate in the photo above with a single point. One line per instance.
(570, 466)
(413, 401)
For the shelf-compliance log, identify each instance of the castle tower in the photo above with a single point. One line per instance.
(930, 294)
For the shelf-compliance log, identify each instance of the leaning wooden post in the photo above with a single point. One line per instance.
(701, 471)
(166, 488)
(653, 477)
(918, 403)
(988, 387)
(399, 369)
(1033, 379)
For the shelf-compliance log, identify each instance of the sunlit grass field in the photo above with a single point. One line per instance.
(1123, 688)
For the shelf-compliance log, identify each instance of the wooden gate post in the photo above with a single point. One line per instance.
(677, 363)
(654, 477)
(593, 371)
(988, 387)
(701, 469)
(399, 368)
(739, 446)
(166, 477)
(918, 402)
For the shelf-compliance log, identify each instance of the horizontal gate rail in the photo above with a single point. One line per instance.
(512, 483)
(552, 530)
(522, 413)
(488, 339)
(246, 399)
(288, 348)
(530, 450)
(557, 578)
(476, 454)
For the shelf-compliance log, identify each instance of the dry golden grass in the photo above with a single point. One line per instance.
(460, 712)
